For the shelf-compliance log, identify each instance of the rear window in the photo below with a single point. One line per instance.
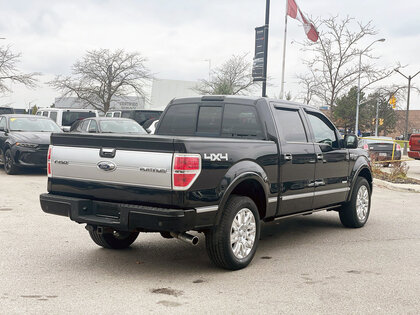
(6, 111)
(179, 120)
(227, 121)
(70, 117)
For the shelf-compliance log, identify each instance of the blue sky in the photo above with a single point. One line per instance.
(176, 36)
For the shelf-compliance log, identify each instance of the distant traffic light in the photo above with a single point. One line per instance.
(373, 121)
(381, 121)
(393, 101)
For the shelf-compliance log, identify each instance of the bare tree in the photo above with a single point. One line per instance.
(335, 65)
(308, 83)
(233, 77)
(9, 72)
(103, 75)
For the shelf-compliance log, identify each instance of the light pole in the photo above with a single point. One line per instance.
(408, 105)
(356, 128)
(209, 61)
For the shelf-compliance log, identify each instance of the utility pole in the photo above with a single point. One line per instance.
(267, 21)
(409, 78)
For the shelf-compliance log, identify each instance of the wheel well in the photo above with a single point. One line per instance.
(366, 174)
(253, 189)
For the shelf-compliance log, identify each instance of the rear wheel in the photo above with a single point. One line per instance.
(9, 163)
(114, 240)
(356, 213)
(232, 244)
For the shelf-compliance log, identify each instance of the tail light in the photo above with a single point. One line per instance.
(398, 147)
(186, 168)
(49, 161)
(365, 147)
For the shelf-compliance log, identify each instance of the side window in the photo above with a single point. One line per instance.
(117, 114)
(324, 132)
(209, 120)
(109, 114)
(179, 120)
(92, 126)
(290, 125)
(84, 125)
(3, 122)
(53, 116)
(241, 121)
(39, 113)
(45, 114)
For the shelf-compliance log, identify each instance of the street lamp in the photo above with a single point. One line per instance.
(408, 105)
(356, 129)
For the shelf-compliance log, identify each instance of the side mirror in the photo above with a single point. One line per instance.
(350, 141)
(66, 128)
(148, 130)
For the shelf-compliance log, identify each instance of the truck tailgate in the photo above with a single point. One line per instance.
(132, 168)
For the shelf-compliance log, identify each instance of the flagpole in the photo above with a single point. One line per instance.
(267, 21)
(284, 53)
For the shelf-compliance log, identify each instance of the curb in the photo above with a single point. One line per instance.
(398, 187)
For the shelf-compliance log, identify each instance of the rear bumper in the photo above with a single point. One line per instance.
(414, 154)
(123, 217)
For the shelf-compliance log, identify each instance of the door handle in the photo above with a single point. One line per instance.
(288, 156)
(320, 156)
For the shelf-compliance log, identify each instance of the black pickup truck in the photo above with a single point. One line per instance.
(218, 165)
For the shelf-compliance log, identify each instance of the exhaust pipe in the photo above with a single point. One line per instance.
(188, 238)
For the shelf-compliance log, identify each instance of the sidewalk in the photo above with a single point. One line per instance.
(398, 187)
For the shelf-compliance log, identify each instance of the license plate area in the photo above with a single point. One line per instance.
(106, 211)
(382, 154)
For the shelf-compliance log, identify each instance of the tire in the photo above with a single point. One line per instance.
(115, 240)
(219, 247)
(355, 214)
(9, 163)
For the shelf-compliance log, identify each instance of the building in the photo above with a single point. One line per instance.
(163, 91)
(127, 102)
(413, 123)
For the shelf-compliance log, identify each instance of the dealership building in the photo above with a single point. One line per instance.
(161, 92)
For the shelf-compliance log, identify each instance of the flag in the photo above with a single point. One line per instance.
(294, 12)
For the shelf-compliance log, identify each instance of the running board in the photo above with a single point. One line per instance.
(306, 212)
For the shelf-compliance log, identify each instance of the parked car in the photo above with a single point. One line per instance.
(152, 127)
(108, 125)
(217, 165)
(6, 110)
(380, 148)
(414, 144)
(141, 115)
(24, 141)
(67, 117)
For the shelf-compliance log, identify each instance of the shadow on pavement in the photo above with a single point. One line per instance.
(165, 257)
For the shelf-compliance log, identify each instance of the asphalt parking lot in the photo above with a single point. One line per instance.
(308, 264)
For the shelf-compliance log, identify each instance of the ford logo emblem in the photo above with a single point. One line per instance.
(106, 166)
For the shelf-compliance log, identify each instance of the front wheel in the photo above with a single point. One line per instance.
(9, 163)
(114, 240)
(233, 242)
(355, 213)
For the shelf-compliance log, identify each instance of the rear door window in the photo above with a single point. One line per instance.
(290, 125)
(241, 121)
(53, 116)
(179, 120)
(45, 114)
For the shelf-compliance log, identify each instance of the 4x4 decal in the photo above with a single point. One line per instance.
(216, 156)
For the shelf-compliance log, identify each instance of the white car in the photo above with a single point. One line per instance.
(67, 117)
(152, 127)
